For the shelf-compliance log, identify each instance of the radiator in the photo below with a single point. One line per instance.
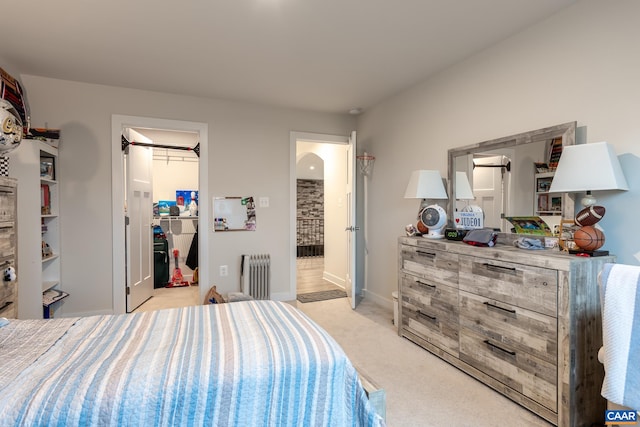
(255, 276)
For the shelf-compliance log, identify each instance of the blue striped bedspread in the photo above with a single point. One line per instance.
(252, 363)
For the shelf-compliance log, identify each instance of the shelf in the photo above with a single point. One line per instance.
(39, 186)
(49, 258)
(52, 296)
(48, 181)
(49, 284)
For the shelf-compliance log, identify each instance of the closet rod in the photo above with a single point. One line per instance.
(126, 143)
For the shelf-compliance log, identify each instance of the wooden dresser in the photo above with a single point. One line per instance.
(8, 290)
(526, 323)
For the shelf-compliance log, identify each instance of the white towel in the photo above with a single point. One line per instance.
(621, 334)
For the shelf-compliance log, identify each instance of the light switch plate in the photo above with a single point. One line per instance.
(264, 202)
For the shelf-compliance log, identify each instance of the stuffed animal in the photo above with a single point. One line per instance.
(9, 274)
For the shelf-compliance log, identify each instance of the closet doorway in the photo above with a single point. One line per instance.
(174, 174)
(160, 131)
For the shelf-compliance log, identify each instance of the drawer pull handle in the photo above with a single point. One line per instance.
(498, 267)
(429, 254)
(488, 304)
(497, 347)
(432, 318)
(425, 284)
(5, 305)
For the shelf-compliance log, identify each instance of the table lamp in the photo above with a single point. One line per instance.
(588, 167)
(427, 184)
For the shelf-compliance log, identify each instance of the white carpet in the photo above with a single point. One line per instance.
(421, 389)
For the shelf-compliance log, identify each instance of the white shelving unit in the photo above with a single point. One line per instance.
(546, 203)
(548, 206)
(38, 225)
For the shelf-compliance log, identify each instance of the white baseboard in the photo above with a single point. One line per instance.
(338, 281)
(378, 299)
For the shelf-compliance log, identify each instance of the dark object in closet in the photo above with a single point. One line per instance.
(160, 263)
(192, 256)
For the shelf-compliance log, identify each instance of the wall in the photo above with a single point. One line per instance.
(173, 175)
(248, 154)
(310, 217)
(580, 65)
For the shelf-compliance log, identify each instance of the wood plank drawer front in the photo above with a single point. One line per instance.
(7, 203)
(518, 328)
(7, 241)
(521, 371)
(8, 299)
(437, 266)
(521, 285)
(430, 311)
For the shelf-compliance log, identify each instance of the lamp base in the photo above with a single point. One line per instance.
(434, 233)
(433, 236)
(581, 252)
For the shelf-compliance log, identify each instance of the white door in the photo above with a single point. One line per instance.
(139, 232)
(488, 190)
(353, 285)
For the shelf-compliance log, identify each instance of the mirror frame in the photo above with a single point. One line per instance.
(566, 130)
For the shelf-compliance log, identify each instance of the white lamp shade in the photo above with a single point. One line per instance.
(463, 189)
(425, 184)
(588, 167)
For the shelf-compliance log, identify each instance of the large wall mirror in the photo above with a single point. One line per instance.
(505, 181)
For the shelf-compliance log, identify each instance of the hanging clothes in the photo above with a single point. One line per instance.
(192, 256)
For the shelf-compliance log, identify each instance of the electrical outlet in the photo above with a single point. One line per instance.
(224, 270)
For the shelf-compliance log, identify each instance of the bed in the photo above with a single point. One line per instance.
(247, 363)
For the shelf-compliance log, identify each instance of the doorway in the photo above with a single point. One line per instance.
(119, 123)
(324, 263)
(310, 222)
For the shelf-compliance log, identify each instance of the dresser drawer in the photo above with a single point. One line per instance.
(529, 375)
(7, 203)
(430, 310)
(8, 299)
(7, 241)
(518, 328)
(521, 285)
(437, 266)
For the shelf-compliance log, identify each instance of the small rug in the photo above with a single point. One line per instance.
(321, 296)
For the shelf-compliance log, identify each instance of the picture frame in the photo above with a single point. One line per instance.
(529, 225)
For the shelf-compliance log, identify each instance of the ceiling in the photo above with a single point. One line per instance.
(319, 55)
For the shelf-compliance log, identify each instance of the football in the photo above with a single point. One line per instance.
(588, 238)
(589, 215)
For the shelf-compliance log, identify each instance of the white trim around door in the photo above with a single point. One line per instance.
(118, 123)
